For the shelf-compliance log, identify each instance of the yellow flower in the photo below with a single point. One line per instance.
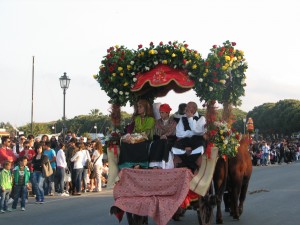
(173, 55)
(197, 56)
(125, 84)
(142, 53)
(227, 58)
(117, 46)
(121, 74)
(165, 62)
(167, 51)
(222, 137)
(241, 52)
(222, 81)
(206, 70)
(129, 67)
(120, 68)
(95, 76)
(194, 66)
(114, 74)
(221, 131)
(224, 67)
(182, 49)
(152, 52)
(205, 74)
(239, 57)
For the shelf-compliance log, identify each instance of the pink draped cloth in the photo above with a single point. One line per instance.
(156, 193)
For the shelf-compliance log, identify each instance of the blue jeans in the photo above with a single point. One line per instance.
(20, 190)
(4, 199)
(38, 182)
(266, 156)
(49, 184)
(84, 178)
(60, 174)
(78, 176)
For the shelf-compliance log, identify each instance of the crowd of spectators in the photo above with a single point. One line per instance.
(264, 153)
(22, 168)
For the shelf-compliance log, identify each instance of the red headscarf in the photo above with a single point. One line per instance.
(165, 108)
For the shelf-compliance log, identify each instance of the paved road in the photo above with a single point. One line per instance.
(273, 199)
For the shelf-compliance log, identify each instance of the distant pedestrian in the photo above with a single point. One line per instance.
(61, 168)
(5, 186)
(21, 179)
(78, 168)
(38, 177)
(97, 160)
(49, 181)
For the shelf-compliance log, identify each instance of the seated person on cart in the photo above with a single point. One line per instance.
(163, 140)
(134, 147)
(190, 144)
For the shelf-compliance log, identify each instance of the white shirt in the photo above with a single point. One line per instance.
(77, 159)
(265, 149)
(96, 154)
(21, 148)
(197, 127)
(86, 156)
(61, 159)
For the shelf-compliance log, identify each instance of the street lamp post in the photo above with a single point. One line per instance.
(54, 128)
(64, 84)
(244, 121)
(96, 130)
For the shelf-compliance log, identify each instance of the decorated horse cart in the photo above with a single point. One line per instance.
(150, 72)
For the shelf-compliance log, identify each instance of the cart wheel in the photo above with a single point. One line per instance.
(134, 219)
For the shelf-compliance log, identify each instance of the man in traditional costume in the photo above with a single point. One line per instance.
(190, 132)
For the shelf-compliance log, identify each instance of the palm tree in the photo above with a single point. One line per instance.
(95, 112)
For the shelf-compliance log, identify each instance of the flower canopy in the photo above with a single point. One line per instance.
(220, 77)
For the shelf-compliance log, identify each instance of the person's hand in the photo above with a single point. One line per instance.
(163, 137)
(188, 150)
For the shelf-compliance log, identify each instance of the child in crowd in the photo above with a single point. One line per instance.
(5, 186)
(21, 179)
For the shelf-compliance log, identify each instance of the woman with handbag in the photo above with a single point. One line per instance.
(38, 176)
(97, 168)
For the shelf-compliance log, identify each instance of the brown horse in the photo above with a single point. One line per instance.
(239, 174)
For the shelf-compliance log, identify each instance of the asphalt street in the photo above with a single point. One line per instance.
(273, 199)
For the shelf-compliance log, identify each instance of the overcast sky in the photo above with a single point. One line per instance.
(72, 36)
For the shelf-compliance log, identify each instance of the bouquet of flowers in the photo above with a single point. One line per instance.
(135, 138)
(224, 76)
(224, 138)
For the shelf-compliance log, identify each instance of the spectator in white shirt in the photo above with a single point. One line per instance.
(86, 159)
(19, 146)
(97, 159)
(61, 168)
(78, 168)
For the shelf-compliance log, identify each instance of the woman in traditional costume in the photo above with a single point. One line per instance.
(135, 146)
